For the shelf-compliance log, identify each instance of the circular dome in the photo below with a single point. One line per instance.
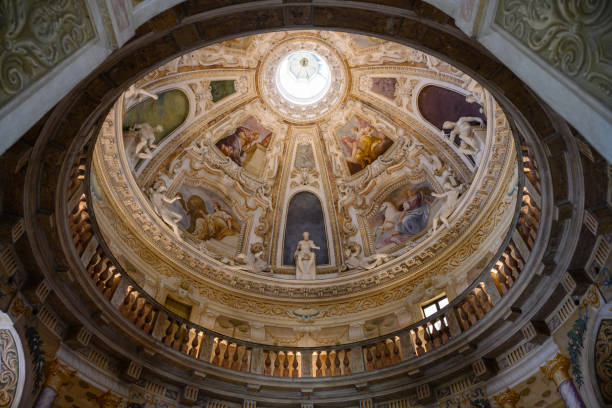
(206, 178)
(303, 77)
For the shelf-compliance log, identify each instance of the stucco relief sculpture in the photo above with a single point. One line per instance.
(134, 95)
(353, 258)
(451, 194)
(161, 204)
(305, 259)
(463, 128)
(145, 140)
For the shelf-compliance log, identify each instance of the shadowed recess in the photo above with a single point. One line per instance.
(305, 214)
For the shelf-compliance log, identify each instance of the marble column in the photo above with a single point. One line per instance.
(57, 375)
(507, 399)
(557, 370)
(108, 400)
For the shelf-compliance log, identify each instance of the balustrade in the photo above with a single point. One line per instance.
(328, 363)
(228, 354)
(137, 309)
(183, 337)
(282, 363)
(529, 219)
(382, 354)
(530, 167)
(507, 269)
(104, 274)
(78, 171)
(80, 225)
(430, 335)
(476, 304)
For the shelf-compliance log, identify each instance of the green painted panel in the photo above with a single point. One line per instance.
(169, 110)
(221, 89)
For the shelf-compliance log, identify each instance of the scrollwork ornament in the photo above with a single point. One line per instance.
(38, 36)
(9, 368)
(572, 36)
(603, 360)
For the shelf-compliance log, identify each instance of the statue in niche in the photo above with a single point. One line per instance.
(161, 205)
(145, 136)
(452, 198)
(305, 259)
(470, 144)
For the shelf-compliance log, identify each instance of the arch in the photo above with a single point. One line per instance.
(305, 213)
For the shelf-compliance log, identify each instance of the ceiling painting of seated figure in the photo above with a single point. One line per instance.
(403, 215)
(247, 145)
(361, 143)
(206, 217)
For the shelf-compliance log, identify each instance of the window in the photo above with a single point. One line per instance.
(433, 307)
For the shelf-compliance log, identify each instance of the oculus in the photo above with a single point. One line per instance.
(303, 77)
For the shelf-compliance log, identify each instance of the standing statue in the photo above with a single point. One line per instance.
(305, 259)
(145, 136)
(452, 198)
(161, 205)
(463, 128)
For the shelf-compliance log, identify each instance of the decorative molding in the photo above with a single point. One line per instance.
(572, 38)
(38, 36)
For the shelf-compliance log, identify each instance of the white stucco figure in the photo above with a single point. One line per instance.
(305, 259)
(161, 205)
(470, 144)
(145, 140)
(135, 95)
(355, 260)
(452, 198)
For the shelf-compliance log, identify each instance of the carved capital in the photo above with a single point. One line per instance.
(507, 399)
(108, 400)
(557, 369)
(57, 375)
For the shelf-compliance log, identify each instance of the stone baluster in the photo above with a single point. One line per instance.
(507, 399)
(57, 376)
(356, 357)
(556, 370)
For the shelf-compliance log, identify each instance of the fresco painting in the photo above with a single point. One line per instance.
(403, 215)
(247, 145)
(207, 218)
(361, 143)
(168, 111)
(384, 86)
(222, 88)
